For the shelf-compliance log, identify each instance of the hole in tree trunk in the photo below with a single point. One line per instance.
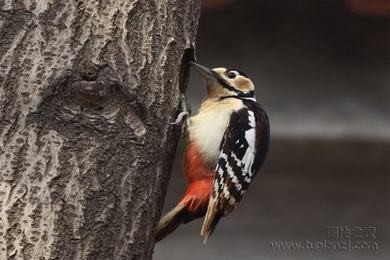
(188, 55)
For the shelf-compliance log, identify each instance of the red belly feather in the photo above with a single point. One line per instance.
(199, 181)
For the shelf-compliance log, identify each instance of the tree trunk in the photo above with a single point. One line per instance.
(87, 91)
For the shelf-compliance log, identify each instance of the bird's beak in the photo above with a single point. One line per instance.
(206, 73)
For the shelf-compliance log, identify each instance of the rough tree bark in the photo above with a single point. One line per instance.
(87, 91)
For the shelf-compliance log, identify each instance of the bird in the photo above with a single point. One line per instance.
(227, 143)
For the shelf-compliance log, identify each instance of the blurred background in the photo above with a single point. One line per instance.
(321, 70)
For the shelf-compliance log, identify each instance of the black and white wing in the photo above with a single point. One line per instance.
(242, 152)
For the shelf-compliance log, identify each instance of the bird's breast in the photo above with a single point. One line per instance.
(207, 128)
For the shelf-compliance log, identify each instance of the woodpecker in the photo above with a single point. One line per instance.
(227, 142)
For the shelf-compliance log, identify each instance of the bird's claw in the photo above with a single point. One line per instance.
(180, 118)
(185, 111)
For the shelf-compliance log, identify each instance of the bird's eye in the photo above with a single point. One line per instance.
(231, 75)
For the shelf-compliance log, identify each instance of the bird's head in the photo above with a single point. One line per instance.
(222, 82)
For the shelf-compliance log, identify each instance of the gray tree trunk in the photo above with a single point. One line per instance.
(87, 91)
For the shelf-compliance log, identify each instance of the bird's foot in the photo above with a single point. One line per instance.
(182, 117)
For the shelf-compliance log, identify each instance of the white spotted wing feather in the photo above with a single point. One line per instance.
(242, 151)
